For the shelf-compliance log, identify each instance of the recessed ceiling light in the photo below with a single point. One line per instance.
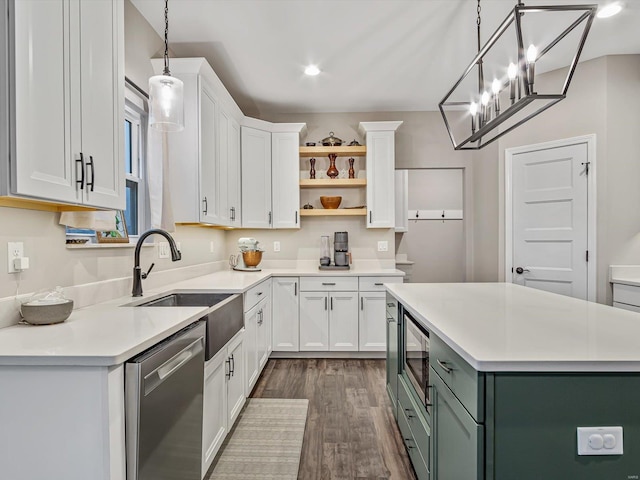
(609, 10)
(312, 70)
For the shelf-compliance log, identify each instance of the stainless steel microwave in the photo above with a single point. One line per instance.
(416, 357)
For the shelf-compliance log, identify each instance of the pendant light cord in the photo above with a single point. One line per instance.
(480, 72)
(166, 38)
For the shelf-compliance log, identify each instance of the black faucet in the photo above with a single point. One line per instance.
(137, 271)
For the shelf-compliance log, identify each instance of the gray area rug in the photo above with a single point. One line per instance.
(265, 443)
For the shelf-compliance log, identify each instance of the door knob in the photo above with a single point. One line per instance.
(520, 270)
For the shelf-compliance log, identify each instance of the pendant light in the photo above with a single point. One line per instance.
(166, 107)
(498, 90)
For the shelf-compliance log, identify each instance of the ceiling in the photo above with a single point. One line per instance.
(374, 55)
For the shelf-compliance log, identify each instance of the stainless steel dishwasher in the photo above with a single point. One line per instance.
(163, 392)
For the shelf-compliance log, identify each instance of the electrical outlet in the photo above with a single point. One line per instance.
(600, 441)
(383, 246)
(163, 250)
(276, 246)
(14, 250)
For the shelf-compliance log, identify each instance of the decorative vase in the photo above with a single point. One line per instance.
(352, 172)
(312, 172)
(333, 171)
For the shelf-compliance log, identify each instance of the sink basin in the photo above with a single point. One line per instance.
(183, 299)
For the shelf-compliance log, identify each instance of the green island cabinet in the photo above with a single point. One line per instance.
(513, 424)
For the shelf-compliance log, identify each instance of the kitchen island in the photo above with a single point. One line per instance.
(513, 373)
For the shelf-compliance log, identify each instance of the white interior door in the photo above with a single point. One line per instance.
(550, 219)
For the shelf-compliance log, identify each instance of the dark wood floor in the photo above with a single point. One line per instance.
(350, 433)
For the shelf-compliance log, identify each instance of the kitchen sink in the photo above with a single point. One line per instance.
(222, 322)
(184, 299)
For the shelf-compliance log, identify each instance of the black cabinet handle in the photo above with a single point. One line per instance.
(378, 284)
(370, 217)
(296, 217)
(444, 365)
(325, 303)
(81, 181)
(328, 283)
(295, 289)
(228, 373)
(233, 365)
(93, 172)
(206, 205)
(269, 218)
(331, 303)
(361, 303)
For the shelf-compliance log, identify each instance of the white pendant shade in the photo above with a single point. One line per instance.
(166, 107)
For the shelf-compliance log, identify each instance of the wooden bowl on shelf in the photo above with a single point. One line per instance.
(330, 203)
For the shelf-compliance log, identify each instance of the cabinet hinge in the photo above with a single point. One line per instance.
(586, 256)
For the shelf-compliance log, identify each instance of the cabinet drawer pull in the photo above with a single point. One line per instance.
(331, 303)
(361, 303)
(228, 364)
(205, 205)
(408, 410)
(325, 303)
(328, 283)
(378, 284)
(93, 172)
(391, 304)
(295, 289)
(233, 365)
(259, 293)
(296, 217)
(269, 218)
(81, 181)
(370, 217)
(444, 366)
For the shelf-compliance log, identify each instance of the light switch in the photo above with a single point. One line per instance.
(276, 246)
(600, 441)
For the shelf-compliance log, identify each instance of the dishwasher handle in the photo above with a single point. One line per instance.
(168, 368)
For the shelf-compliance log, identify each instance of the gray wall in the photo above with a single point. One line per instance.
(603, 99)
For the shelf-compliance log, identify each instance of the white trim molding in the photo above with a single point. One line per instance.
(590, 141)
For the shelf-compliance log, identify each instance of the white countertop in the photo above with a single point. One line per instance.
(625, 274)
(506, 327)
(109, 333)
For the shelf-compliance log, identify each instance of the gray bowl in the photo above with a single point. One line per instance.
(46, 314)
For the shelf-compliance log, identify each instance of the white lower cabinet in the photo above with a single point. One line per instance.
(286, 317)
(372, 322)
(257, 322)
(329, 319)
(223, 396)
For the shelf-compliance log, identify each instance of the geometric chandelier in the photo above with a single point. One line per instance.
(499, 90)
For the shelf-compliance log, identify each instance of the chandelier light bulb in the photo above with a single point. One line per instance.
(473, 108)
(512, 71)
(485, 98)
(532, 54)
(496, 86)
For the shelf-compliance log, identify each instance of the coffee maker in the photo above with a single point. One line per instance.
(341, 255)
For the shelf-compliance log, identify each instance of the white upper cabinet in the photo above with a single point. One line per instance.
(207, 152)
(380, 172)
(256, 178)
(66, 98)
(270, 174)
(285, 162)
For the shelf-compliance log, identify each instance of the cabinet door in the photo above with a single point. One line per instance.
(101, 73)
(372, 322)
(235, 383)
(222, 169)
(286, 319)
(343, 321)
(314, 321)
(458, 440)
(209, 206)
(251, 319)
(264, 333)
(285, 161)
(42, 157)
(214, 419)
(380, 179)
(392, 361)
(233, 170)
(256, 178)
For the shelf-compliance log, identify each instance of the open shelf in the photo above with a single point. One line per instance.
(342, 151)
(338, 182)
(319, 212)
